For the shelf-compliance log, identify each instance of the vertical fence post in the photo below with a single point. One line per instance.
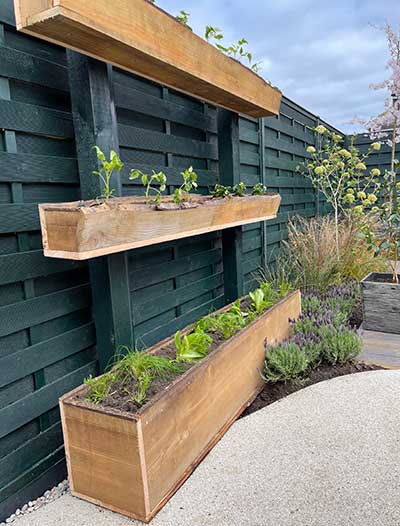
(229, 169)
(263, 180)
(95, 122)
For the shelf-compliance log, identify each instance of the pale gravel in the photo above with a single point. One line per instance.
(327, 455)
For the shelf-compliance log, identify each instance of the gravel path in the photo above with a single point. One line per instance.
(327, 455)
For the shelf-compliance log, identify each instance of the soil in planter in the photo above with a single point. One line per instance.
(274, 392)
(383, 278)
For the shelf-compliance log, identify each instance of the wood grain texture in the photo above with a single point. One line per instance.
(71, 232)
(134, 463)
(381, 304)
(142, 38)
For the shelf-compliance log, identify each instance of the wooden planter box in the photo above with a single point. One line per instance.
(71, 231)
(142, 38)
(133, 464)
(381, 303)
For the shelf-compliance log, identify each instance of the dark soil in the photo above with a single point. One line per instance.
(380, 277)
(274, 392)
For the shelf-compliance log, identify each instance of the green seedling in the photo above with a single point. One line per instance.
(239, 189)
(148, 181)
(192, 347)
(99, 388)
(220, 191)
(259, 189)
(183, 18)
(189, 183)
(259, 303)
(106, 171)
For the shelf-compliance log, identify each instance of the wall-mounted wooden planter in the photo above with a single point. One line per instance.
(134, 463)
(142, 38)
(71, 231)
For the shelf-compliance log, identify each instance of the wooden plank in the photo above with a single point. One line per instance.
(142, 38)
(23, 314)
(26, 361)
(152, 274)
(18, 116)
(75, 232)
(139, 138)
(104, 448)
(35, 404)
(155, 306)
(27, 265)
(138, 101)
(206, 400)
(19, 218)
(30, 453)
(26, 168)
(16, 64)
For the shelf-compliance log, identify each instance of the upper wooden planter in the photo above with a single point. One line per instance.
(133, 463)
(142, 38)
(72, 231)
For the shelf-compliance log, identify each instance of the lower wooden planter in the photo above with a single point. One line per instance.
(133, 463)
(73, 231)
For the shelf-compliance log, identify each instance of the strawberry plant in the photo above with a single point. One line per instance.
(148, 181)
(239, 189)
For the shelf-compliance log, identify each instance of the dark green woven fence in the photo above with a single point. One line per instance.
(47, 330)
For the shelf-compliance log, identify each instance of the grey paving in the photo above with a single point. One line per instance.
(381, 348)
(328, 455)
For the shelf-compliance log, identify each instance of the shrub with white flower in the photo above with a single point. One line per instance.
(341, 174)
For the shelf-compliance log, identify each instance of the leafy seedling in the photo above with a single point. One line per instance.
(183, 18)
(99, 388)
(148, 182)
(192, 347)
(259, 189)
(239, 189)
(106, 171)
(258, 303)
(220, 191)
(213, 32)
(189, 183)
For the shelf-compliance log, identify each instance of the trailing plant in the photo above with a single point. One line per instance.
(238, 50)
(189, 183)
(132, 373)
(259, 189)
(148, 181)
(183, 18)
(284, 362)
(192, 347)
(106, 171)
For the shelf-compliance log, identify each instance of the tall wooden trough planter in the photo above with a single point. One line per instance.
(133, 463)
(381, 303)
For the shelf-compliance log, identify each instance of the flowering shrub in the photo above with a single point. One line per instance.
(322, 334)
(341, 174)
(386, 127)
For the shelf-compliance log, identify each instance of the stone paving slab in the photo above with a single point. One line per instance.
(327, 455)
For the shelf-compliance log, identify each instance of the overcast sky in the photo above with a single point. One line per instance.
(322, 54)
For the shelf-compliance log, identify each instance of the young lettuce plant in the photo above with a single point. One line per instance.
(258, 303)
(106, 171)
(239, 189)
(220, 191)
(148, 181)
(189, 183)
(192, 347)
